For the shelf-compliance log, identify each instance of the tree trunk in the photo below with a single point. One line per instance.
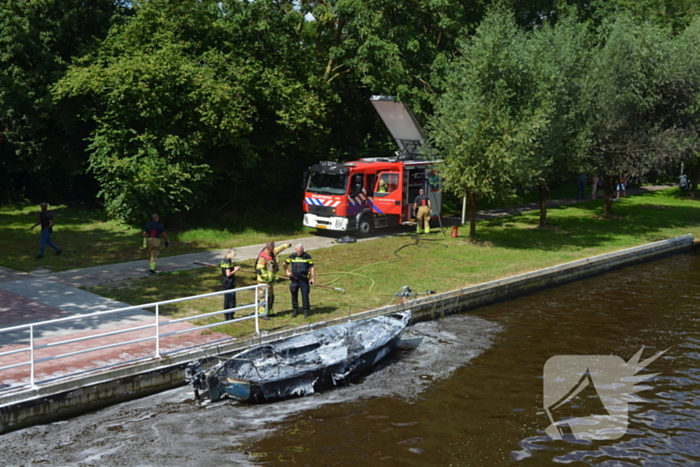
(694, 177)
(472, 217)
(544, 191)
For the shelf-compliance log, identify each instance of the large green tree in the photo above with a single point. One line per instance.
(679, 106)
(365, 47)
(623, 83)
(557, 56)
(674, 14)
(41, 144)
(388, 46)
(190, 98)
(486, 127)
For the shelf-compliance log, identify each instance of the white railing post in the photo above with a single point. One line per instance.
(157, 332)
(36, 347)
(31, 355)
(257, 306)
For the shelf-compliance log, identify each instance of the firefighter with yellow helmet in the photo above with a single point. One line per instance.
(266, 268)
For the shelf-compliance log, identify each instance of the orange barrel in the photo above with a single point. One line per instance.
(455, 231)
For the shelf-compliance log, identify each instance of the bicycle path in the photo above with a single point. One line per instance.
(44, 295)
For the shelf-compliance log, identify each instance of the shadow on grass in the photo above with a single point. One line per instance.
(88, 240)
(648, 216)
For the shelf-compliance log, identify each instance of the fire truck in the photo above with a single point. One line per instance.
(377, 192)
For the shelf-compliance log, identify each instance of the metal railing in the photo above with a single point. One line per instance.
(157, 335)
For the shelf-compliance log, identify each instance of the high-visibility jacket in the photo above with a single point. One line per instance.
(229, 282)
(301, 265)
(266, 266)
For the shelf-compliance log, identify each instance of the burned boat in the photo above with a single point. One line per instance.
(300, 365)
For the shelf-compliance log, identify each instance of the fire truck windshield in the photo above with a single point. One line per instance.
(327, 184)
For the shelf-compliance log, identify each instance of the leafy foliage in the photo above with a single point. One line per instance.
(164, 105)
(558, 56)
(486, 125)
(184, 89)
(40, 143)
(622, 85)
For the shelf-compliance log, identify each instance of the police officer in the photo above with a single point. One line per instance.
(302, 274)
(228, 280)
(153, 231)
(266, 268)
(422, 210)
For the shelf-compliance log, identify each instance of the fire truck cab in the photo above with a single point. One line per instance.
(377, 192)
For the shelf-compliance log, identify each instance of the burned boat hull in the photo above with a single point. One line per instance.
(305, 364)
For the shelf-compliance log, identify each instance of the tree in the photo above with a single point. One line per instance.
(679, 106)
(622, 85)
(41, 146)
(388, 46)
(673, 14)
(557, 55)
(190, 95)
(486, 128)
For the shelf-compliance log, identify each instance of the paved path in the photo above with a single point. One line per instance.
(44, 295)
(114, 272)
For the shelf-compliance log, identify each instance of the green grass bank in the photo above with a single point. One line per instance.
(373, 272)
(88, 239)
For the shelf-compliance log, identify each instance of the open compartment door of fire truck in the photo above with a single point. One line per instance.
(402, 125)
(422, 175)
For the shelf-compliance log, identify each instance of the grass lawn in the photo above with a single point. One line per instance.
(373, 272)
(90, 240)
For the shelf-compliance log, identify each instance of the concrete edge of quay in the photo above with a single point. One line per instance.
(70, 397)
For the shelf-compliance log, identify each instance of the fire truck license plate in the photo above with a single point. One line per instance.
(321, 227)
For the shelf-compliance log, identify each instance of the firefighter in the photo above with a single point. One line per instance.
(228, 280)
(421, 211)
(302, 274)
(153, 231)
(266, 268)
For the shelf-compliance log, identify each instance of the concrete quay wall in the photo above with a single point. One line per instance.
(71, 397)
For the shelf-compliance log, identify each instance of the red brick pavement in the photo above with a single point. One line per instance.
(99, 359)
(7, 275)
(16, 309)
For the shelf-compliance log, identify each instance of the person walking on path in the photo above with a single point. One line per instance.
(228, 280)
(153, 232)
(594, 187)
(621, 188)
(581, 186)
(266, 267)
(421, 211)
(46, 222)
(302, 274)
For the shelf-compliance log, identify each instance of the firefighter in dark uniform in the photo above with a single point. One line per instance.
(228, 280)
(302, 274)
(266, 267)
(422, 210)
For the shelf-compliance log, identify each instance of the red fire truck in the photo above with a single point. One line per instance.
(376, 192)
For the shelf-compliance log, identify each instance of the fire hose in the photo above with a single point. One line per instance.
(280, 277)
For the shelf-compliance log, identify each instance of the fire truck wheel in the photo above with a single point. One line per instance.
(366, 225)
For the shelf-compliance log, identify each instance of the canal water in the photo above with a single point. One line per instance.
(467, 390)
